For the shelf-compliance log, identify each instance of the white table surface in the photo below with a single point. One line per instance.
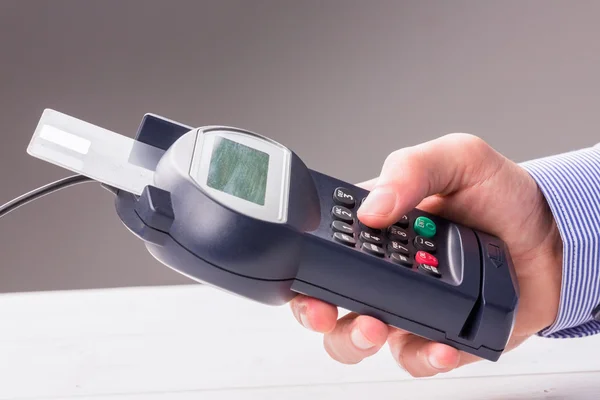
(192, 342)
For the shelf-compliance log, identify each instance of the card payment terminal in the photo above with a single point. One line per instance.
(240, 212)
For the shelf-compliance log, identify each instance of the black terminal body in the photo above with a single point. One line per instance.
(427, 275)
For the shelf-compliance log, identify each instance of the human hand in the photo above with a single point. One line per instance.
(461, 178)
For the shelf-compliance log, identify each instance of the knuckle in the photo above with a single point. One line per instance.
(412, 370)
(408, 159)
(477, 156)
(477, 144)
(468, 141)
(406, 367)
(331, 353)
(403, 154)
(339, 354)
(393, 158)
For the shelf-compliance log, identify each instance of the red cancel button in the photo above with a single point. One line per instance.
(422, 257)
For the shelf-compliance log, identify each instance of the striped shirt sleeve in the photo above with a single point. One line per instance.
(570, 182)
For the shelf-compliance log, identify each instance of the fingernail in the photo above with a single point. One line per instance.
(304, 320)
(299, 311)
(435, 362)
(359, 340)
(381, 201)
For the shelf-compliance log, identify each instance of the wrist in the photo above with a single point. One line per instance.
(553, 260)
(570, 183)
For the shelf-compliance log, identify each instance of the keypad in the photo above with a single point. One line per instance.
(408, 243)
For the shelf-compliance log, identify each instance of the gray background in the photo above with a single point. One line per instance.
(343, 83)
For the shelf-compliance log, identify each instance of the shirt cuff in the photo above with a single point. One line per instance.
(570, 182)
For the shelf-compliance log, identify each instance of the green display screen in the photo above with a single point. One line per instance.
(238, 170)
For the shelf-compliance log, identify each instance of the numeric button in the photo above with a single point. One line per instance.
(403, 222)
(369, 237)
(341, 226)
(343, 197)
(398, 248)
(373, 249)
(344, 239)
(430, 270)
(343, 214)
(368, 228)
(398, 234)
(425, 244)
(401, 259)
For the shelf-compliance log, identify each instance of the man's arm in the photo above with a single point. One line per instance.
(570, 183)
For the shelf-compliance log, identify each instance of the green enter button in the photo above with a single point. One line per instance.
(424, 227)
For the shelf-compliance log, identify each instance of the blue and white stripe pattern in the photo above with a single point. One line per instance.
(570, 183)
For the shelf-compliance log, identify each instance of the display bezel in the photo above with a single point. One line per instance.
(278, 173)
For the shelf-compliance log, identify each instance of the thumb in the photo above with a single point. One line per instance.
(438, 167)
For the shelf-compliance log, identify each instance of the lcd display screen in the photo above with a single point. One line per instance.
(238, 170)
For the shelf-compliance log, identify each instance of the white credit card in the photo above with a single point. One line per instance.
(95, 152)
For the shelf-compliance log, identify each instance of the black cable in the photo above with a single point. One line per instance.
(41, 192)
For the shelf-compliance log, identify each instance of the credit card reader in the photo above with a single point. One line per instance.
(238, 211)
